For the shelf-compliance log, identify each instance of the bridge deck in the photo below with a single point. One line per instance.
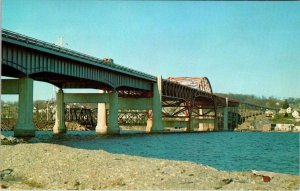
(26, 56)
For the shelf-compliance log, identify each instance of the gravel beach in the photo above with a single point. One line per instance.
(52, 166)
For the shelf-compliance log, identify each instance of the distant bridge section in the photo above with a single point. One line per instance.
(199, 83)
(247, 110)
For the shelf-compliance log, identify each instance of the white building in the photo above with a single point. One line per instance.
(289, 110)
(269, 113)
(297, 128)
(284, 127)
(295, 114)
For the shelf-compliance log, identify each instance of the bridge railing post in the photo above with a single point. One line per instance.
(157, 125)
(59, 126)
(25, 126)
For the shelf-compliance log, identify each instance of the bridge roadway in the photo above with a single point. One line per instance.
(29, 59)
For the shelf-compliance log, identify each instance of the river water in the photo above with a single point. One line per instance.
(230, 151)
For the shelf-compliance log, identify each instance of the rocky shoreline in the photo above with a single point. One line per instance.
(44, 126)
(52, 166)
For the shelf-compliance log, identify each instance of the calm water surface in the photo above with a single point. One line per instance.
(231, 151)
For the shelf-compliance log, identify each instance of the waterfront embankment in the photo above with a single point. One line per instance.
(54, 166)
(263, 123)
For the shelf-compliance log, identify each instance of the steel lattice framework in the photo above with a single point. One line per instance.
(133, 117)
(84, 116)
(199, 83)
(176, 90)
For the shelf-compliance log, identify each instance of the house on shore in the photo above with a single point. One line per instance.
(284, 127)
(295, 114)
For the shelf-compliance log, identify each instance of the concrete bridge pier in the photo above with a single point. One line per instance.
(225, 116)
(25, 126)
(190, 124)
(157, 125)
(200, 125)
(101, 127)
(216, 117)
(113, 126)
(59, 126)
(190, 127)
(149, 122)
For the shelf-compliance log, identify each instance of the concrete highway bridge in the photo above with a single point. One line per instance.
(168, 102)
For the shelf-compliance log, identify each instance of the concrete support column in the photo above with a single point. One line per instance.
(235, 117)
(216, 120)
(101, 127)
(225, 116)
(149, 122)
(190, 127)
(191, 123)
(113, 125)
(25, 126)
(157, 125)
(200, 126)
(59, 126)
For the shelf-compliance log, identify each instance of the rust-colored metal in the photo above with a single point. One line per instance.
(173, 89)
(199, 83)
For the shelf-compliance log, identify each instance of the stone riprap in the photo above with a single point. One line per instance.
(10, 140)
(52, 166)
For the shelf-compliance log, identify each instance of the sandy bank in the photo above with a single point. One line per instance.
(50, 166)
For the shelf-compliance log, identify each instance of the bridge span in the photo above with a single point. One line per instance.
(174, 102)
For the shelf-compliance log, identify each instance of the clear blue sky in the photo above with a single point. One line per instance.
(242, 47)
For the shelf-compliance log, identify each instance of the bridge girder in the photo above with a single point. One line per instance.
(23, 56)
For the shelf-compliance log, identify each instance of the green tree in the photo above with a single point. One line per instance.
(285, 104)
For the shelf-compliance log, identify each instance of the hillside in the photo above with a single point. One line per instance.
(263, 101)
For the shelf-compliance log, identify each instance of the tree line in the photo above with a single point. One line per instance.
(263, 101)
